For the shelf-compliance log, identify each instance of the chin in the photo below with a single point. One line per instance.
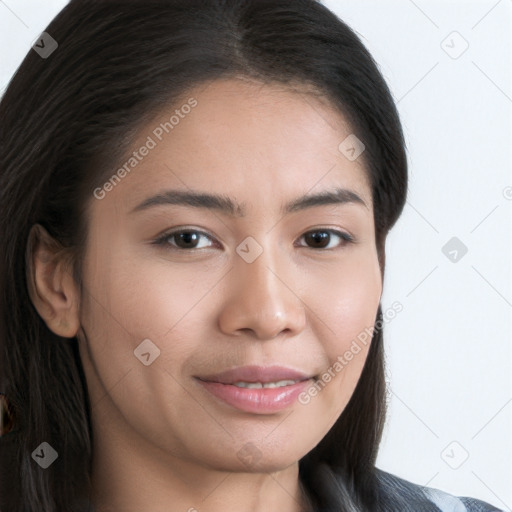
(244, 462)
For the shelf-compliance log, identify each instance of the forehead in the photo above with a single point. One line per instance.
(255, 141)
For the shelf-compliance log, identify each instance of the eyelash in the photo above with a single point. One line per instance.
(163, 239)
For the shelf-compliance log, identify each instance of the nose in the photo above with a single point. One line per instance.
(261, 300)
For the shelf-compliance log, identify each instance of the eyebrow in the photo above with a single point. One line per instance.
(228, 206)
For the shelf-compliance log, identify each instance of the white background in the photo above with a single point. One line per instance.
(449, 350)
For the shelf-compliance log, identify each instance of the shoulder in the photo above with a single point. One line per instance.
(396, 494)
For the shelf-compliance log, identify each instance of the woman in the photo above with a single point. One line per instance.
(198, 195)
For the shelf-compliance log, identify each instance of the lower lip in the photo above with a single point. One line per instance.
(257, 400)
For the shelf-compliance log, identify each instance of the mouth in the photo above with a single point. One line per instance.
(266, 385)
(258, 375)
(256, 389)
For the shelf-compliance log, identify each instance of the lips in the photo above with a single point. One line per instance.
(237, 388)
(255, 373)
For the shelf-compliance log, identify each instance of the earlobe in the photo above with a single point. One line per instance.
(51, 286)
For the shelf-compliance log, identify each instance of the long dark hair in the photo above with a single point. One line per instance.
(66, 120)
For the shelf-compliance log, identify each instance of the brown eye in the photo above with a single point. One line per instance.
(321, 238)
(186, 239)
(183, 239)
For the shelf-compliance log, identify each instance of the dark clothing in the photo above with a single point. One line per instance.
(399, 495)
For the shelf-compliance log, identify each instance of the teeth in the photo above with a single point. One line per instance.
(259, 385)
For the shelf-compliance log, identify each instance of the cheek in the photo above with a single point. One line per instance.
(146, 297)
(130, 304)
(347, 301)
(347, 309)
(136, 300)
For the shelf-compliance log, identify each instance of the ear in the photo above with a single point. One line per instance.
(51, 286)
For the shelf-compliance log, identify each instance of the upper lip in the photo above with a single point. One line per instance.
(256, 374)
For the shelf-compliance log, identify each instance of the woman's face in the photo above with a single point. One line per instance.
(262, 285)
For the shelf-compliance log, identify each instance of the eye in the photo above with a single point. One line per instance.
(184, 239)
(320, 238)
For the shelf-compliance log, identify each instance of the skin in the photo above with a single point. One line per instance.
(162, 442)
